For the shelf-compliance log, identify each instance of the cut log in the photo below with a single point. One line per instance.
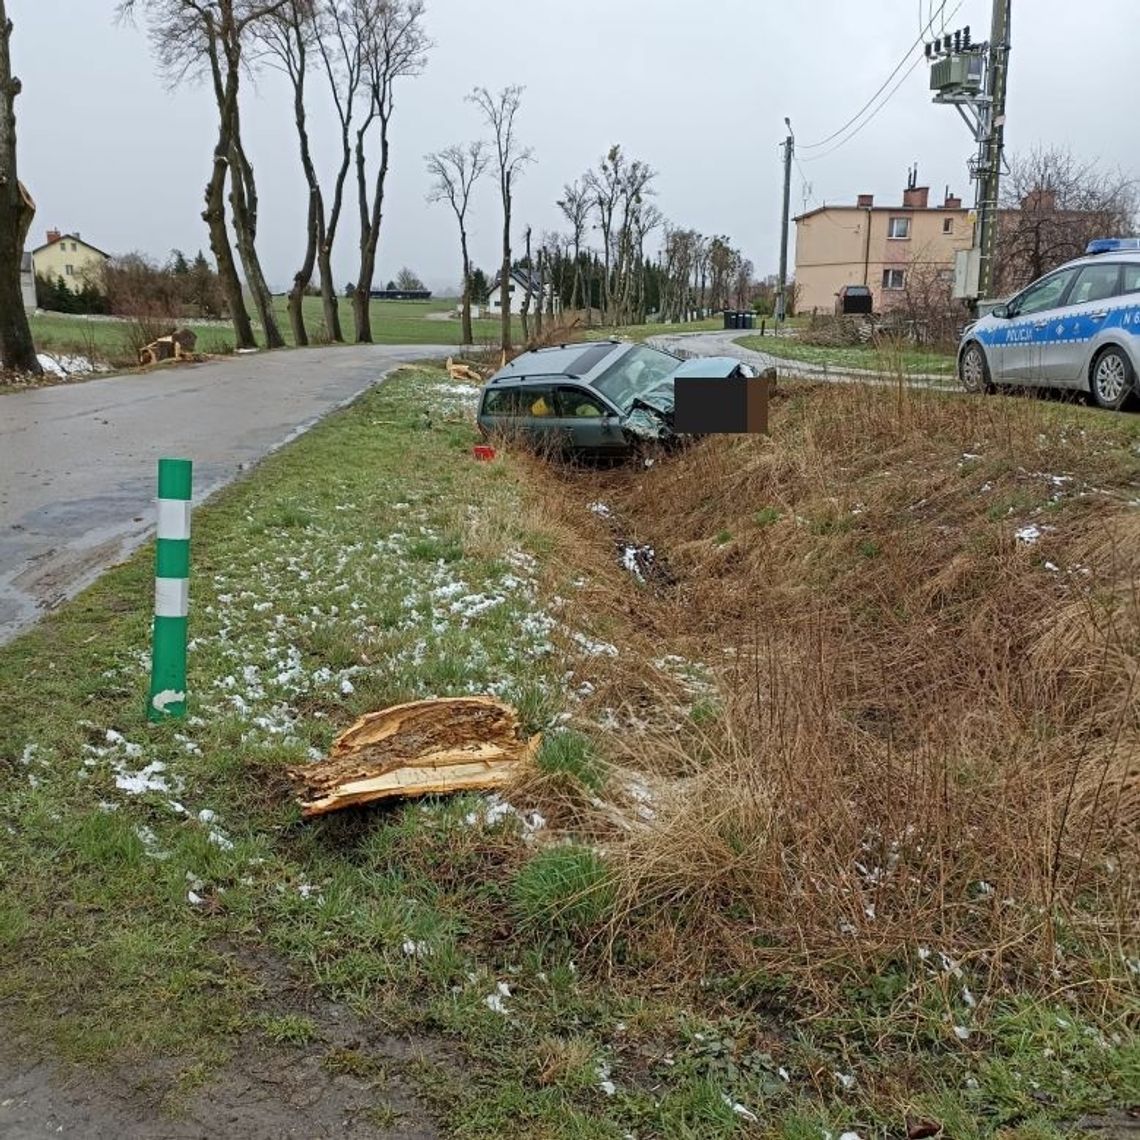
(436, 747)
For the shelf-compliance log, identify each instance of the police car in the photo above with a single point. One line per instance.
(1077, 327)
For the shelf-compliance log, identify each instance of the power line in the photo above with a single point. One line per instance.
(898, 67)
(890, 94)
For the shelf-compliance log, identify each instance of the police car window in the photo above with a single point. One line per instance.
(1131, 282)
(1044, 295)
(501, 402)
(1095, 283)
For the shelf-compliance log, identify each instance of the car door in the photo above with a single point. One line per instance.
(538, 416)
(1031, 317)
(1078, 325)
(586, 423)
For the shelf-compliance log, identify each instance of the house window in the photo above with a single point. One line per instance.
(947, 225)
(899, 228)
(894, 279)
(69, 270)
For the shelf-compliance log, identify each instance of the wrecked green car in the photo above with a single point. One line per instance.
(603, 399)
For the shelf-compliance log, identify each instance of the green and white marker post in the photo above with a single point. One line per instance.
(171, 591)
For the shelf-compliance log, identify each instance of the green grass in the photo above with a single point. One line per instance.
(871, 359)
(393, 322)
(159, 922)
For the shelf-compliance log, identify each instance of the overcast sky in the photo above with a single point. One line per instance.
(699, 91)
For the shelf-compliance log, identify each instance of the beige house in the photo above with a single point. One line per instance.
(876, 246)
(70, 258)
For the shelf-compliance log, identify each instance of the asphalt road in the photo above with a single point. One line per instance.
(78, 462)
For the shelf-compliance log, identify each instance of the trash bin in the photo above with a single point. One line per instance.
(749, 320)
(735, 320)
(727, 319)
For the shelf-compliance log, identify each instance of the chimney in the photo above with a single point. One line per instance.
(953, 202)
(1042, 198)
(916, 197)
(865, 201)
(53, 236)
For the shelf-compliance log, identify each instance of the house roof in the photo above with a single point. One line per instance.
(884, 210)
(71, 237)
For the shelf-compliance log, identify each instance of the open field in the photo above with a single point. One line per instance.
(394, 322)
(890, 360)
(834, 827)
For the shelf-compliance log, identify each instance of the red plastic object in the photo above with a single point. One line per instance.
(483, 451)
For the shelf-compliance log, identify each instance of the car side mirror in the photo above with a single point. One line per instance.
(1001, 312)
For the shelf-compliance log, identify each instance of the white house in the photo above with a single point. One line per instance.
(518, 289)
(27, 282)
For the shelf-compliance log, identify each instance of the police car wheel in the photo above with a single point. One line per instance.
(973, 370)
(1112, 379)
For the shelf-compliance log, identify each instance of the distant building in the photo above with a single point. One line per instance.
(400, 294)
(876, 246)
(27, 282)
(517, 290)
(71, 259)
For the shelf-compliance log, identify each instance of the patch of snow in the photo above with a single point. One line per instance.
(148, 779)
(1027, 535)
(495, 809)
(604, 1083)
(58, 364)
(961, 1032)
(740, 1110)
(601, 510)
(497, 1001)
(594, 648)
(415, 949)
(845, 1080)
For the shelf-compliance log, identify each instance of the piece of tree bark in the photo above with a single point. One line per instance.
(17, 351)
(431, 747)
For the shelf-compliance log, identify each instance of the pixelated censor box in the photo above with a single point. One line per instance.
(719, 396)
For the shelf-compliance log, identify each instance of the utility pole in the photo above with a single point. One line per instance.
(781, 290)
(990, 174)
(973, 79)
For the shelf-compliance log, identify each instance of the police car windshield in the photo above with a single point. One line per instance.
(637, 373)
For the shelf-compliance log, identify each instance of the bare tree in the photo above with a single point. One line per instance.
(193, 35)
(576, 204)
(500, 111)
(524, 312)
(454, 171)
(289, 37)
(396, 46)
(17, 352)
(1053, 204)
(343, 30)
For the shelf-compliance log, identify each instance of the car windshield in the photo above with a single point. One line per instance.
(637, 373)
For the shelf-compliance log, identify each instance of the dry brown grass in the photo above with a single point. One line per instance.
(927, 736)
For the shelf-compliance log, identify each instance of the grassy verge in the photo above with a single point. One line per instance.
(793, 858)
(886, 359)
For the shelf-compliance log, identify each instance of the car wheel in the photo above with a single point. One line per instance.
(973, 370)
(1112, 379)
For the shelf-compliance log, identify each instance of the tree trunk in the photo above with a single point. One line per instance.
(214, 215)
(315, 221)
(370, 222)
(541, 296)
(465, 316)
(243, 199)
(505, 272)
(304, 275)
(17, 351)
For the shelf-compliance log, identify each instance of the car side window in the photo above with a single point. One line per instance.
(1095, 283)
(502, 402)
(1044, 295)
(577, 403)
(1131, 281)
(538, 401)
